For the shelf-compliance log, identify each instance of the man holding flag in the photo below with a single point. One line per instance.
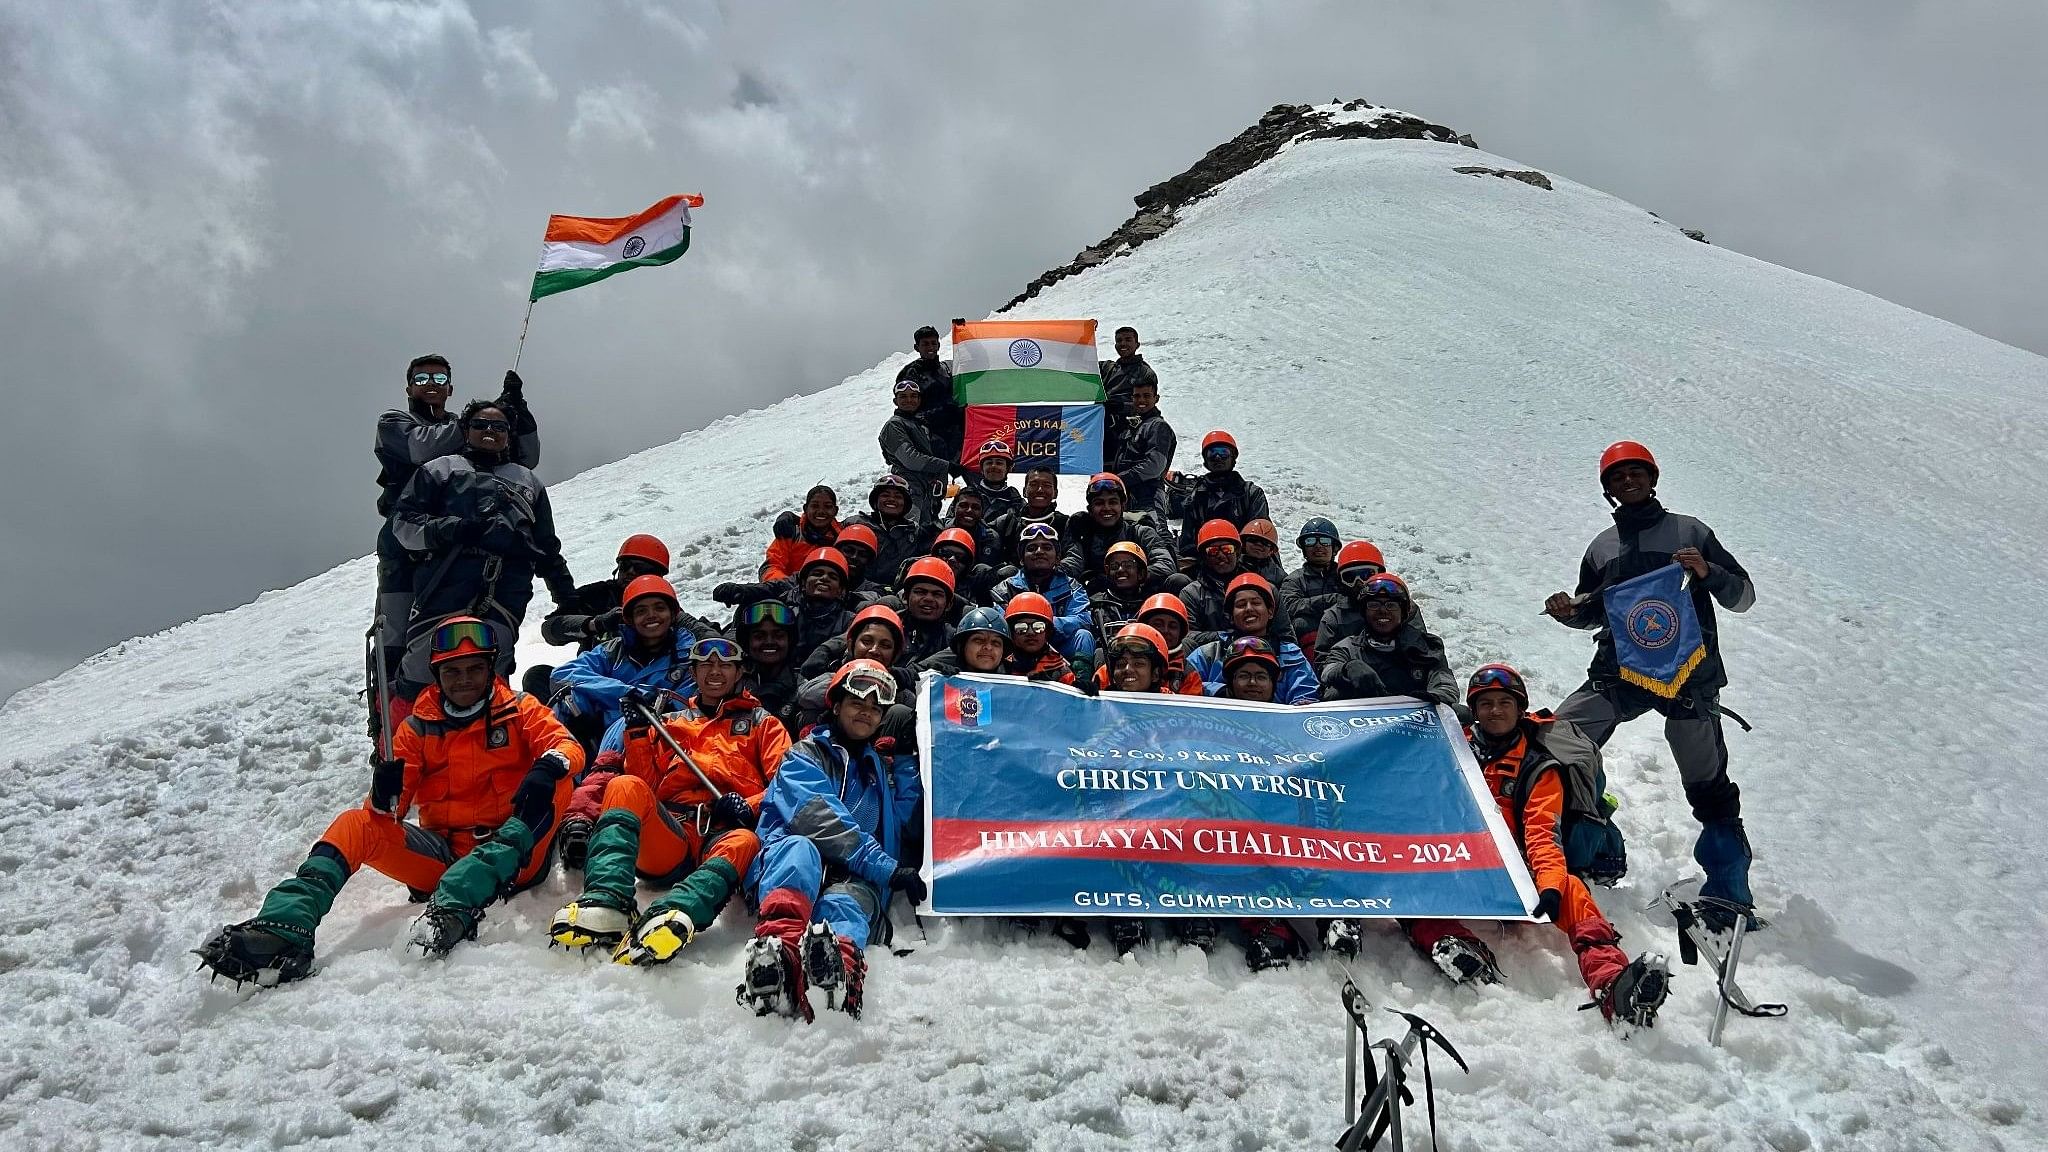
(1648, 585)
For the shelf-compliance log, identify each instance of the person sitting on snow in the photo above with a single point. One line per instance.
(1394, 656)
(909, 451)
(1041, 494)
(833, 826)
(1168, 616)
(657, 820)
(593, 614)
(766, 631)
(980, 644)
(1089, 537)
(489, 770)
(1312, 589)
(1123, 590)
(816, 599)
(1220, 561)
(1357, 562)
(1523, 756)
(797, 536)
(651, 650)
(1252, 604)
(1033, 655)
(959, 547)
(861, 544)
(928, 607)
(991, 480)
(1220, 493)
(899, 534)
(1261, 543)
(1038, 571)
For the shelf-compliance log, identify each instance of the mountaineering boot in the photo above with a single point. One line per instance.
(441, 927)
(572, 842)
(1199, 932)
(1341, 937)
(1635, 995)
(772, 982)
(1126, 935)
(587, 923)
(656, 939)
(1073, 930)
(832, 964)
(1723, 854)
(1271, 944)
(1465, 960)
(252, 950)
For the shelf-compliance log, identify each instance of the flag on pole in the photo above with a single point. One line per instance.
(1026, 362)
(1657, 640)
(579, 250)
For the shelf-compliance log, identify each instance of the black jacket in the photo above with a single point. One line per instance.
(1220, 496)
(481, 531)
(1120, 377)
(1141, 455)
(910, 450)
(1305, 596)
(1087, 543)
(1006, 530)
(1411, 662)
(1642, 541)
(906, 538)
(409, 437)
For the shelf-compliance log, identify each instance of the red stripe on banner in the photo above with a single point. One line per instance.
(1242, 843)
(985, 422)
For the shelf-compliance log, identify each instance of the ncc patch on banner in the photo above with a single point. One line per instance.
(1044, 802)
(1066, 438)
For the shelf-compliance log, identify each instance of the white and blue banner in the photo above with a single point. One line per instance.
(1043, 801)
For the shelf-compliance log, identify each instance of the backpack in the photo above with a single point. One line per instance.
(1594, 848)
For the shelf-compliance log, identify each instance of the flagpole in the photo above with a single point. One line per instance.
(521, 350)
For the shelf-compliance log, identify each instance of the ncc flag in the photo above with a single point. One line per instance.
(1657, 640)
(965, 706)
(1066, 438)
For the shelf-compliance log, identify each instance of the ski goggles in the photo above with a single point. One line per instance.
(1218, 452)
(903, 386)
(1252, 648)
(1030, 627)
(1106, 486)
(875, 689)
(715, 648)
(1494, 676)
(1385, 587)
(1357, 576)
(450, 637)
(995, 448)
(1031, 532)
(430, 378)
(768, 612)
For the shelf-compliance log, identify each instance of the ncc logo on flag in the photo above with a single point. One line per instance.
(967, 707)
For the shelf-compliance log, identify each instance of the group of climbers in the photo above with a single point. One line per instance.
(770, 755)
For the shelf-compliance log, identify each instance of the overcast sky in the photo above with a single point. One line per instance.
(227, 226)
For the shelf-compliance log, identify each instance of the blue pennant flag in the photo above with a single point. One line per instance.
(1657, 641)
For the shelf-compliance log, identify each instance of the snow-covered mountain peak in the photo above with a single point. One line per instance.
(1432, 357)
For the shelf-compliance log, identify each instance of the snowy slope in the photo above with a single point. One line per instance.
(1435, 360)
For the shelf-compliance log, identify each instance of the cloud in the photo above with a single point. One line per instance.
(615, 115)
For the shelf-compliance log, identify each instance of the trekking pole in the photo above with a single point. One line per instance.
(381, 685)
(669, 739)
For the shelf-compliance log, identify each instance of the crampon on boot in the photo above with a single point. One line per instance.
(1341, 937)
(832, 965)
(441, 927)
(1073, 930)
(772, 981)
(656, 940)
(1270, 944)
(1199, 932)
(1634, 996)
(1465, 960)
(250, 952)
(590, 924)
(1126, 935)
(572, 843)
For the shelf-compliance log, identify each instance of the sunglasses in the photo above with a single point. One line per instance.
(715, 648)
(490, 425)
(1217, 452)
(877, 690)
(1318, 542)
(1029, 627)
(767, 612)
(1220, 546)
(430, 377)
(449, 637)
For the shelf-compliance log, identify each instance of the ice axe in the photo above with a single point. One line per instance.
(674, 745)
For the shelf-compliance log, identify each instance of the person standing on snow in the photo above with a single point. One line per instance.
(489, 770)
(657, 822)
(1220, 493)
(1643, 539)
(910, 450)
(408, 437)
(479, 528)
(1141, 453)
(1123, 375)
(937, 409)
(833, 826)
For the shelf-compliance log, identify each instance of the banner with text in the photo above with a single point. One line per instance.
(1067, 438)
(1042, 801)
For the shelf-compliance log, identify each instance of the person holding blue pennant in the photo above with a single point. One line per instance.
(1649, 585)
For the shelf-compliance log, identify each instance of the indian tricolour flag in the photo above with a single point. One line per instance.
(579, 250)
(1026, 362)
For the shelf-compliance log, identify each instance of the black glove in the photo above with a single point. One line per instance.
(1547, 904)
(445, 530)
(731, 811)
(603, 624)
(636, 704)
(534, 802)
(472, 531)
(906, 880)
(387, 780)
(1087, 685)
(728, 593)
(515, 388)
(787, 525)
(574, 841)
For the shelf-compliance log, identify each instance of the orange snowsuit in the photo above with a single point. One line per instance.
(1180, 682)
(461, 775)
(738, 744)
(1542, 840)
(785, 557)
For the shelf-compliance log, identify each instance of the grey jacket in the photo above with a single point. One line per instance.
(1641, 541)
